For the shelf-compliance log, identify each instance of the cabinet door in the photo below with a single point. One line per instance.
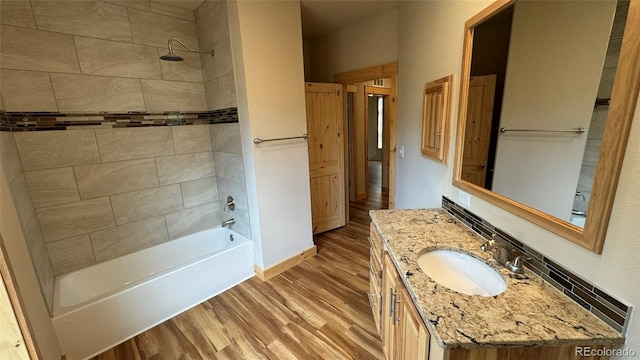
(374, 301)
(411, 336)
(435, 119)
(388, 306)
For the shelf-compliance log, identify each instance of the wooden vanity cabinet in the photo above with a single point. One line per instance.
(405, 337)
(403, 334)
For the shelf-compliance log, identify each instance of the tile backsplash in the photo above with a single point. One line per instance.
(593, 299)
(28, 121)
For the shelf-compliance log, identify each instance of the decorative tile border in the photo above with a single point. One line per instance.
(43, 121)
(598, 302)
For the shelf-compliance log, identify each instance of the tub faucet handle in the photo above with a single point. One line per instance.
(231, 204)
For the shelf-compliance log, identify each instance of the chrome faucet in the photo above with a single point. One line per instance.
(228, 222)
(502, 254)
(516, 265)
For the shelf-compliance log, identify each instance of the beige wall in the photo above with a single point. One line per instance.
(266, 39)
(368, 43)
(430, 46)
(80, 56)
(545, 89)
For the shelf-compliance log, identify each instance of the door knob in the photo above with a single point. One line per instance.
(481, 166)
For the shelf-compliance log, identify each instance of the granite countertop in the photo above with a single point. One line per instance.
(529, 312)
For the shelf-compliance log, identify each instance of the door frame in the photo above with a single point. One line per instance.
(386, 94)
(367, 74)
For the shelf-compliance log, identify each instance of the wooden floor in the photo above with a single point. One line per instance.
(316, 310)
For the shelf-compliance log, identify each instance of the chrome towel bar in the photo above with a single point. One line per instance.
(258, 140)
(577, 131)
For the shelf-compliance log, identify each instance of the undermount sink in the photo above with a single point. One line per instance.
(462, 273)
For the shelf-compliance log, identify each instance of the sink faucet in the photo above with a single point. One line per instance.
(503, 254)
(228, 222)
(516, 265)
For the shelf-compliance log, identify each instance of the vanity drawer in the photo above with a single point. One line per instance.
(375, 268)
(376, 243)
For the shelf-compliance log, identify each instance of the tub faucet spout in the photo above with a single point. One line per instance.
(228, 222)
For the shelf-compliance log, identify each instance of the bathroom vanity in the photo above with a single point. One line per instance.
(418, 318)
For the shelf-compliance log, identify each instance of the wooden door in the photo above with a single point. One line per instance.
(478, 129)
(326, 155)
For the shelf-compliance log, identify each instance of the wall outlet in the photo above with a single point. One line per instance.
(464, 198)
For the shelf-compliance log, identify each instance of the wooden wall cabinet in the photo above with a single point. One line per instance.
(436, 112)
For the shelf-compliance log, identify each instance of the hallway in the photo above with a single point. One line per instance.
(316, 310)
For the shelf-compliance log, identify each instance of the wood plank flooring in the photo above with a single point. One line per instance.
(316, 310)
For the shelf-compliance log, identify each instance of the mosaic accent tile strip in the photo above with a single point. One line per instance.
(44, 121)
(604, 306)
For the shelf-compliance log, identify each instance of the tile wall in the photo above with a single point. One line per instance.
(92, 67)
(92, 55)
(15, 175)
(99, 194)
(604, 306)
(213, 32)
(227, 154)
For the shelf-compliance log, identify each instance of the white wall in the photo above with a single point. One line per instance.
(266, 41)
(25, 276)
(552, 79)
(368, 43)
(430, 46)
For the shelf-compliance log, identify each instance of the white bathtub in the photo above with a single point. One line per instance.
(103, 305)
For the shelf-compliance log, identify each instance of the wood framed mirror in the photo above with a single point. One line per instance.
(540, 128)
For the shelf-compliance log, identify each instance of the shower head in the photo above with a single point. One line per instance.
(170, 56)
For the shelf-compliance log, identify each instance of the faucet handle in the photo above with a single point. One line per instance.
(516, 264)
(488, 245)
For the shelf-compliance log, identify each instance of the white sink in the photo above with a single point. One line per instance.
(462, 273)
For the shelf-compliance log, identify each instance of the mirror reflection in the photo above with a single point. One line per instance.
(541, 78)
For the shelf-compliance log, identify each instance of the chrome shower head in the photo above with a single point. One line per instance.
(170, 56)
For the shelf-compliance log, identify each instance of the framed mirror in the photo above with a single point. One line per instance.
(547, 97)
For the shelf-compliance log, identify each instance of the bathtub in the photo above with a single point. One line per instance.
(105, 304)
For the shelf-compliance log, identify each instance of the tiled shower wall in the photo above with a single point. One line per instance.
(159, 182)
(99, 194)
(89, 55)
(213, 32)
(14, 174)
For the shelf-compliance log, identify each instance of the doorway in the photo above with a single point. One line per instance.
(370, 122)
